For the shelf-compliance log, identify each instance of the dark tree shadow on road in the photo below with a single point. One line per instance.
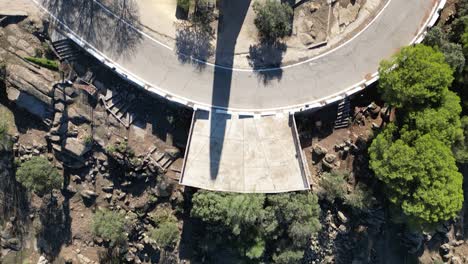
(265, 56)
(193, 44)
(194, 38)
(116, 33)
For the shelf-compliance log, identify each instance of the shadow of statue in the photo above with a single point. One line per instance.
(232, 15)
(54, 229)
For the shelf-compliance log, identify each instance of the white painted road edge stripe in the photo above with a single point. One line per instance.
(254, 112)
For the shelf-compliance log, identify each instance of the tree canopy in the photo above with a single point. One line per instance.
(413, 157)
(39, 175)
(416, 77)
(420, 176)
(442, 122)
(253, 221)
(274, 19)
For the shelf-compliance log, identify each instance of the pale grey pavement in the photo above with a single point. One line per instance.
(245, 90)
(246, 155)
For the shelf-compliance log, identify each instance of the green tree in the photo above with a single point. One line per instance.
(461, 147)
(238, 212)
(110, 225)
(420, 177)
(274, 19)
(39, 175)
(416, 77)
(453, 52)
(298, 213)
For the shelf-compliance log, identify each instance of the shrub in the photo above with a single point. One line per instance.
(109, 225)
(288, 257)
(162, 215)
(46, 63)
(165, 235)
(274, 19)
(39, 175)
(334, 185)
(122, 148)
(360, 199)
(184, 5)
(3, 128)
(2, 70)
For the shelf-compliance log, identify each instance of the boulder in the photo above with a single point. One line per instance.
(306, 39)
(76, 147)
(445, 248)
(319, 150)
(42, 260)
(173, 152)
(88, 194)
(12, 243)
(330, 158)
(327, 166)
(348, 14)
(456, 260)
(108, 188)
(71, 189)
(342, 217)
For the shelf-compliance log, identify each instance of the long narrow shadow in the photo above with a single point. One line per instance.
(231, 18)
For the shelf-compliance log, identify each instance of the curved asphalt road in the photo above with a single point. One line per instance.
(246, 90)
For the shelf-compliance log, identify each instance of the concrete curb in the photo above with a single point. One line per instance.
(126, 74)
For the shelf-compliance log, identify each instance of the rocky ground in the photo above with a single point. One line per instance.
(113, 153)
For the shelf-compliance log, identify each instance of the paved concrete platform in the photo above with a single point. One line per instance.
(245, 155)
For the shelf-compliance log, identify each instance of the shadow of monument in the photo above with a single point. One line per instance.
(115, 32)
(231, 18)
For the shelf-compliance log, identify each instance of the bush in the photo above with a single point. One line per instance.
(3, 128)
(2, 70)
(184, 5)
(39, 175)
(88, 140)
(334, 185)
(274, 19)
(162, 215)
(288, 257)
(46, 63)
(360, 199)
(109, 225)
(122, 148)
(165, 235)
